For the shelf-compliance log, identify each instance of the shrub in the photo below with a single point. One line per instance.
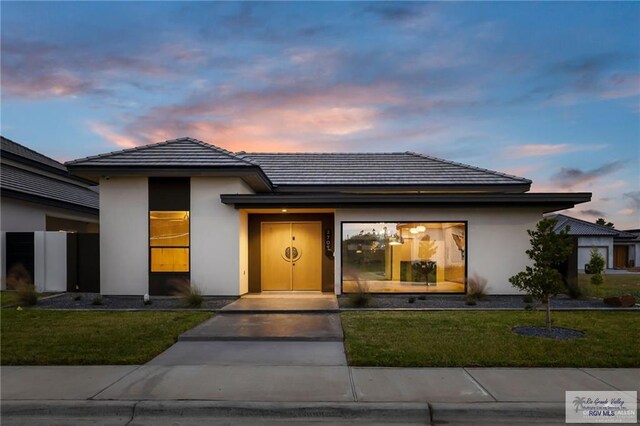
(596, 262)
(596, 279)
(26, 294)
(412, 300)
(76, 297)
(549, 249)
(97, 301)
(189, 293)
(361, 297)
(470, 300)
(527, 298)
(476, 287)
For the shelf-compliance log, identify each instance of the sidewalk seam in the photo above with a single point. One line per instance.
(353, 385)
(111, 384)
(598, 378)
(479, 384)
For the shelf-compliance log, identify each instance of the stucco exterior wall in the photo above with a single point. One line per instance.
(124, 235)
(216, 234)
(586, 244)
(24, 216)
(496, 238)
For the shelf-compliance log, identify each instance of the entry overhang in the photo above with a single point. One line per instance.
(551, 201)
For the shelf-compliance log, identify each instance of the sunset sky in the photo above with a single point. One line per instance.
(548, 91)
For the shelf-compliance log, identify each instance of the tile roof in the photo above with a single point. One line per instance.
(45, 187)
(11, 147)
(183, 152)
(580, 227)
(398, 168)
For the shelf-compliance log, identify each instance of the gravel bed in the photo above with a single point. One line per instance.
(434, 301)
(66, 301)
(557, 333)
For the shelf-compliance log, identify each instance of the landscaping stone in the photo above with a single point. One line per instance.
(558, 333)
(443, 301)
(624, 301)
(86, 301)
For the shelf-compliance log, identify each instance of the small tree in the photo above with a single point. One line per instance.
(548, 251)
(596, 267)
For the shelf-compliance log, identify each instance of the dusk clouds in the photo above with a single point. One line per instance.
(548, 90)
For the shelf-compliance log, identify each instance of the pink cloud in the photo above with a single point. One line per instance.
(545, 150)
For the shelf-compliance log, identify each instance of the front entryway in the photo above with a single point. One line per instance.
(291, 256)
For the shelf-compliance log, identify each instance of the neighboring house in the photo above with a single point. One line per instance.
(39, 199)
(184, 211)
(620, 249)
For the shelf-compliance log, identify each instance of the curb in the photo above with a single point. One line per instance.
(386, 412)
(498, 412)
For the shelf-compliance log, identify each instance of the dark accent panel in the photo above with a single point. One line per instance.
(19, 258)
(255, 247)
(83, 263)
(569, 269)
(72, 263)
(168, 283)
(169, 193)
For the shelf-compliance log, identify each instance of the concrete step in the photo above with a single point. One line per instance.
(267, 327)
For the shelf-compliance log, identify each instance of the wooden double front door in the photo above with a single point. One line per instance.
(291, 256)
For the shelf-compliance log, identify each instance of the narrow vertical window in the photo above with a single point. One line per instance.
(169, 241)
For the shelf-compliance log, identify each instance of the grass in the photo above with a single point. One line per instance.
(11, 297)
(485, 339)
(40, 337)
(614, 285)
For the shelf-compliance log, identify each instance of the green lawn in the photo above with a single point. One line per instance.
(614, 285)
(40, 337)
(470, 339)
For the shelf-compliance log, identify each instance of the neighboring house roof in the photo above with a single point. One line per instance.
(21, 153)
(24, 182)
(34, 177)
(376, 169)
(583, 228)
(303, 171)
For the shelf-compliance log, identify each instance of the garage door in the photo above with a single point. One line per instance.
(584, 255)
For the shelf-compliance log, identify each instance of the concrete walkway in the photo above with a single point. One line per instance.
(514, 394)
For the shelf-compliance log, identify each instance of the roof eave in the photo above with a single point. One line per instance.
(252, 175)
(547, 201)
(48, 201)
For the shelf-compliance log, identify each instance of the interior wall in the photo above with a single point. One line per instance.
(496, 237)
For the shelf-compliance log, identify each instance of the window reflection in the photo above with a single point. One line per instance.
(404, 257)
(169, 241)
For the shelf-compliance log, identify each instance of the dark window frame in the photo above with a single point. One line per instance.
(466, 250)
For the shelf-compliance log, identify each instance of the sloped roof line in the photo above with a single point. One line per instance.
(566, 221)
(33, 155)
(481, 169)
(167, 142)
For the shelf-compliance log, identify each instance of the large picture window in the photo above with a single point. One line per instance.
(169, 241)
(404, 257)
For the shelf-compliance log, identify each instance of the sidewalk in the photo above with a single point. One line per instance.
(418, 395)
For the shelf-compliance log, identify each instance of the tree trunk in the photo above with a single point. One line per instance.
(548, 312)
